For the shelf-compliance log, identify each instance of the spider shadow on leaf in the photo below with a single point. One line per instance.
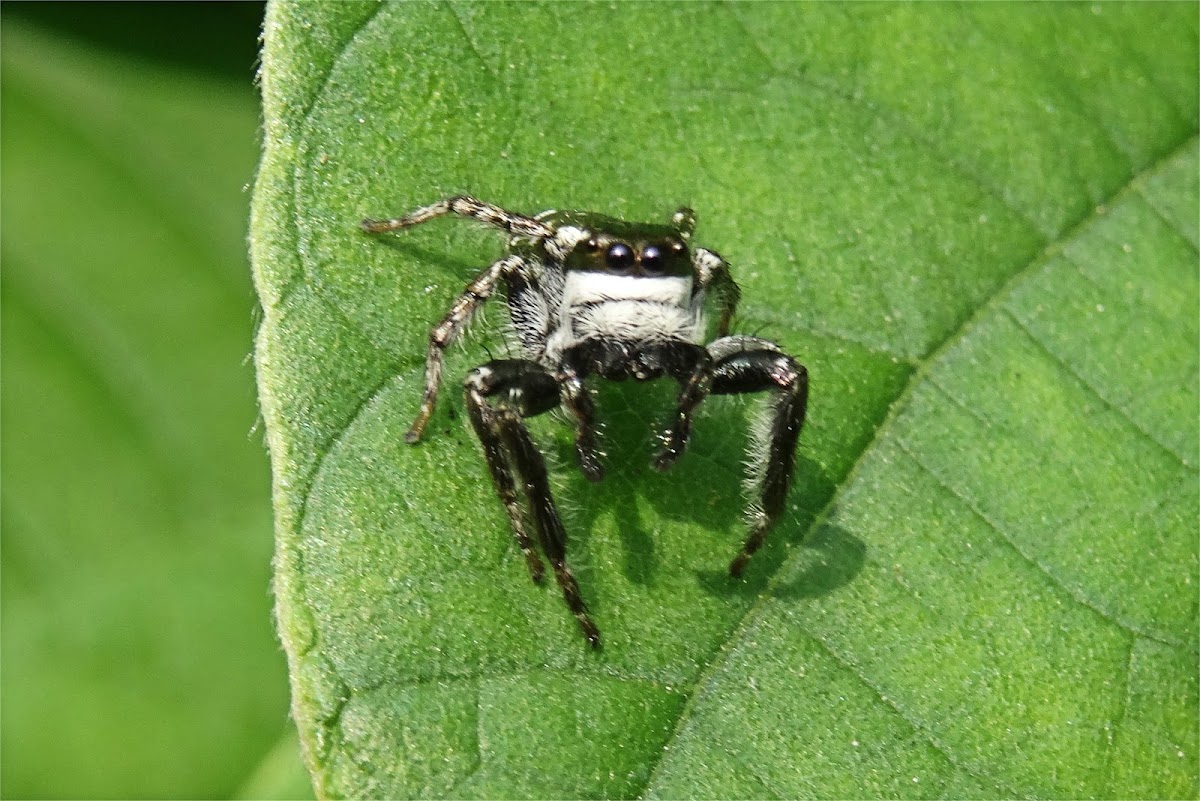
(704, 490)
(452, 271)
(828, 559)
(837, 557)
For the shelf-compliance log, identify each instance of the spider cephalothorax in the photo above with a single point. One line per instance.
(594, 296)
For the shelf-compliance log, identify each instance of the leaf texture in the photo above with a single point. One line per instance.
(975, 224)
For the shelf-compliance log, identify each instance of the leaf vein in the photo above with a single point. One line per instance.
(1049, 75)
(1061, 363)
(1072, 592)
(762, 314)
(919, 728)
(1112, 729)
(470, 40)
(451, 791)
(1120, 39)
(901, 123)
(1191, 235)
(709, 667)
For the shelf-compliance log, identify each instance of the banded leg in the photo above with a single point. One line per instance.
(748, 364)
(712, 274)
(464, 206)
(448, 330)
(692, 366)
(499, 395)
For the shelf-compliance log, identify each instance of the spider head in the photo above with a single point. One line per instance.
(591, 243)
(650, 256)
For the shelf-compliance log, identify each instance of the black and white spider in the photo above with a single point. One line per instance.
(594, 296)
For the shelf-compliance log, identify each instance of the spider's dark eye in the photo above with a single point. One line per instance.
(619, 257)
(653, 259)
(591, 245)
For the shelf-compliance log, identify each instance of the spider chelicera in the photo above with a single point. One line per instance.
(595, 296)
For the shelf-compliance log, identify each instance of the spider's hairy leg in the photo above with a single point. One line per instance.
(578, 401)
(451, 326)
(487, 428)
(712, 274)
(748, 364)
(499, 395)
(532, 466)
(464, 206)
(692, 366)
(684, 220)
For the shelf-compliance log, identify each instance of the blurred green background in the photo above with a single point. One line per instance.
(138, 653)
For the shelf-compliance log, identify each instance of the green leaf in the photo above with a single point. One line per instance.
(977, 227)
(138, 657)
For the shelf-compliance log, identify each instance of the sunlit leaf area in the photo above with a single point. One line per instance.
(977, 227)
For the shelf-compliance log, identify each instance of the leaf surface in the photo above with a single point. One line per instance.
(975, 225)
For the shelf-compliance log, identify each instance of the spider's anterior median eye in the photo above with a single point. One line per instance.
(619, 256)
(653, 259)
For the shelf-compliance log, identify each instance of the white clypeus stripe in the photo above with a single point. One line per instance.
(592, 287)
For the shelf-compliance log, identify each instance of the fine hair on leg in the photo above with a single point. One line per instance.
(499, 395)
(450, 328)
(748, 364)
(464, 206)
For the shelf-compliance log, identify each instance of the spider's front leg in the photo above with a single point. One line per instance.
(449, 329)
(712, 272)
(464, 206)
(499, 395)
(578, 401)
(749, 364)
(692, 366)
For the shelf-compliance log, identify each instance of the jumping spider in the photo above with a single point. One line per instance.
(591, 295)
